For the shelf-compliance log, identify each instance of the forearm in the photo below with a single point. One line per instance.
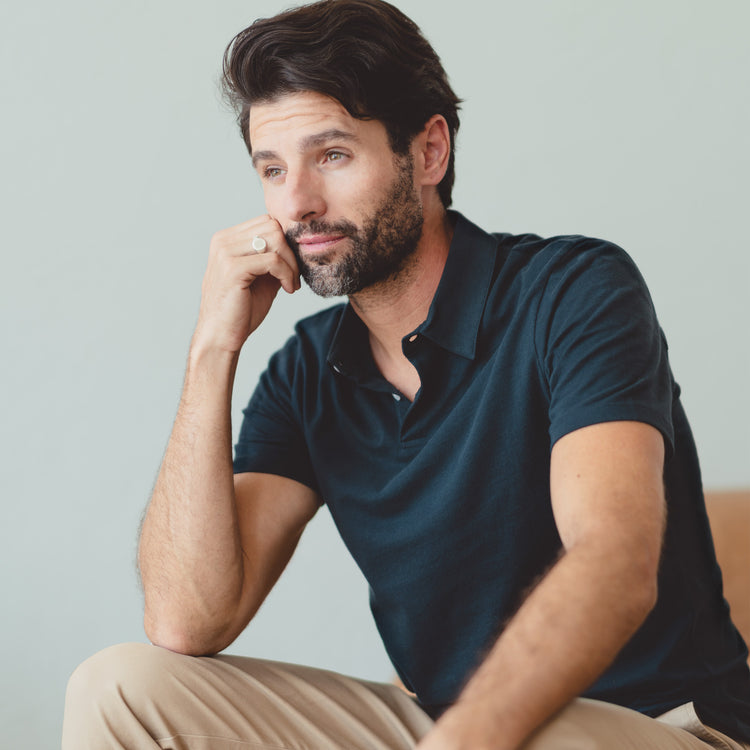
(564, 636)
(191, 549)
(190, 555)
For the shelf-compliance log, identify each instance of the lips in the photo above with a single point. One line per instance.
(319, 242)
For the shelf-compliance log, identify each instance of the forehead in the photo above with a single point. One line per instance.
(288, 120)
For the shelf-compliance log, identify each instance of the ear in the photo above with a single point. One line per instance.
(431, 151)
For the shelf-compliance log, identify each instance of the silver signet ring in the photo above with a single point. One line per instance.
(259, 244)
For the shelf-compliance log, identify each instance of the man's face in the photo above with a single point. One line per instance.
(347, 204)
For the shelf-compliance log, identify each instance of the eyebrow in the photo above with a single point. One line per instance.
(311, 141)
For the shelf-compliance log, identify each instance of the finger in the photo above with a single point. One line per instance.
(274, 242)
(271, 264)
(269, 230)
(239, 240)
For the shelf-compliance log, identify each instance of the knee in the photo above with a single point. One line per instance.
(593, 725)
(560, 733)
(116, 697)
(118, 674)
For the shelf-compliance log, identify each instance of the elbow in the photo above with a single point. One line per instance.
(189, 626)
(177, 637)
(194, 626)
(639, 560)
(643, 594)
(649, 570)
(172, 639)
(629, 580)
(645, 601)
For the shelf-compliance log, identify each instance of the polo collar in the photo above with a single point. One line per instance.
(456, 310)
(455, 314)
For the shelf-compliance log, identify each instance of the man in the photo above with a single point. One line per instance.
(491, 420)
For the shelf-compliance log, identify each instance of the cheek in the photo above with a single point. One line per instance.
(268, 199)
(365, 189)
(274, 202)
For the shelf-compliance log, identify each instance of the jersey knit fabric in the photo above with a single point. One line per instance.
(445, 502)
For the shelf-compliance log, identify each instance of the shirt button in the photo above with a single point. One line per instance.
(396, 396)
(337, 369)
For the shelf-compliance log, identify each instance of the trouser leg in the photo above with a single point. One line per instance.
(594, 725)
(139, 697)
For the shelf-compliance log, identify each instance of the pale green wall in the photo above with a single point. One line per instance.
(622, 119)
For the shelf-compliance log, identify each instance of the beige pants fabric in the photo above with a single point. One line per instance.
(139, 697)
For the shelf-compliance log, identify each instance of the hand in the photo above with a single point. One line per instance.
(241, 283)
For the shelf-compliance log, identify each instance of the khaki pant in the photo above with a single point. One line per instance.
(139, 697)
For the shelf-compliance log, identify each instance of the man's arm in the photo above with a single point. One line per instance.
(212, 545)
(608, 499)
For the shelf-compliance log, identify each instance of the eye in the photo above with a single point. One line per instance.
(272, 173)
(334, 156)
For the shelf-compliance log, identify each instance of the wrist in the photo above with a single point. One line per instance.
(205, 352)
(210, 373)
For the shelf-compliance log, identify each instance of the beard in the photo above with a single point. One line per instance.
(380, 249)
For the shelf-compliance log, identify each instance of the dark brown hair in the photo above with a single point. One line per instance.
(366, 54)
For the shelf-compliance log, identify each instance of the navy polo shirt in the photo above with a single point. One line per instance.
(444, 502)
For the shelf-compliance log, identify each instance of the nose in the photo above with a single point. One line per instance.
(303, 195)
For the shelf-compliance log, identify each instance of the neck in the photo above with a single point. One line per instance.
(393, 308)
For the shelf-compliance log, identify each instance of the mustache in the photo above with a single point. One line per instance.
(317, 226)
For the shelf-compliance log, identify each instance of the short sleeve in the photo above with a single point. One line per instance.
(271, 438)
(599, 344)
